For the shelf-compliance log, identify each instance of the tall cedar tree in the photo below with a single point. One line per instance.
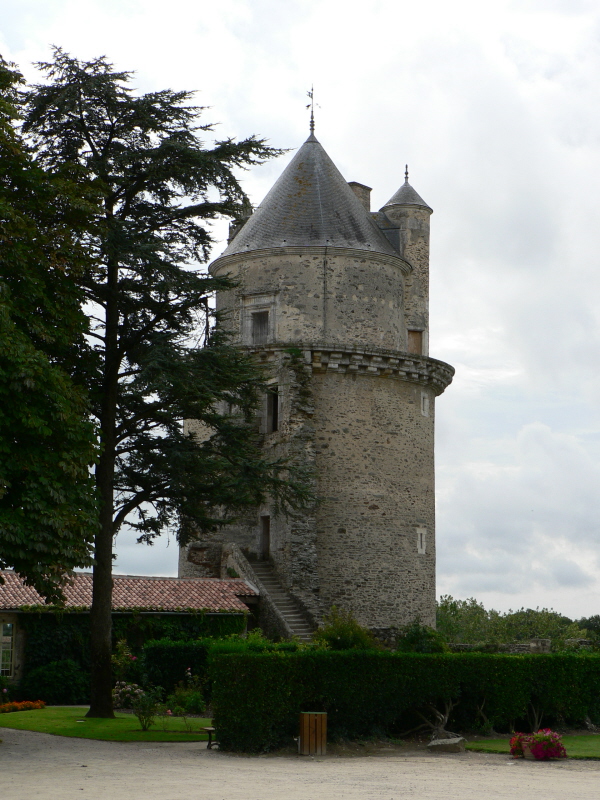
(159, 185)
(47, 507)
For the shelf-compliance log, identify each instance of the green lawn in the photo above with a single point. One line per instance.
(586, 746)
(71, 721)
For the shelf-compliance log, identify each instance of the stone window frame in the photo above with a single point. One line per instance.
(425, 403)
(253, 303)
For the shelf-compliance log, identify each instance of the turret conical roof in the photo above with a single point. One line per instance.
(406, 196)
(310, 205)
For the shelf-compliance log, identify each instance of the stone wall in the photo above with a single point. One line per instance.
(413, 222)
(357, 411)
(327, 295)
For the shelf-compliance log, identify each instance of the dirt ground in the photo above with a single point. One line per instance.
(37, 766)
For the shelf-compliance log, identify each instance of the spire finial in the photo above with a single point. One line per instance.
(406, 174)
(311, 105)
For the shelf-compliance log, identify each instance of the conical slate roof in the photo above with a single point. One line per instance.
(310, 205)
(406, 196)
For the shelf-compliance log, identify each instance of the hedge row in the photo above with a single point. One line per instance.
(56, 635)
(257, 697)
(165, 661)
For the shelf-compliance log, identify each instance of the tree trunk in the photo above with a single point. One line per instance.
(101, 620)
(101, 611)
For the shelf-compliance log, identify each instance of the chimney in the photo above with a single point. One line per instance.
(363, 193)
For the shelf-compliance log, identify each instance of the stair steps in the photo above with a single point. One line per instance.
(286, 605)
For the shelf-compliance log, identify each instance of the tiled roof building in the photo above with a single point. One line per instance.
(139, 593)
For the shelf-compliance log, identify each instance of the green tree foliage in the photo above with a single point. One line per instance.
(341, 631)
(47, 509)
(591, 625)
(417, 638)
(469, 622)
(159, 185)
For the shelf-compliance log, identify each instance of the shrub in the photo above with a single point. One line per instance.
(417, 638)
(123, 661)
(165, 660)
(146, 707)
(188, 697)
(124, 694)
(58, 683)
(341, 631)
(6, 689)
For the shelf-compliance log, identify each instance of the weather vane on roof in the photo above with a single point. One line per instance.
(406, 174)
(311, 105)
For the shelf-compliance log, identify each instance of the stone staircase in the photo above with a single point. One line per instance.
(286, 605)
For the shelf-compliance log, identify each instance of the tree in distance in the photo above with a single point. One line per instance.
(469, 622)
(48, 513)
(159, 185)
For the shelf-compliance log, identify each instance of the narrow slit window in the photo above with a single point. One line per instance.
(265, 538)
(425, 404)
(273, 409)
(421, 541)
(260, 327)
(415, 342)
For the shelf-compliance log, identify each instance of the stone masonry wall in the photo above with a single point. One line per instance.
(336, 296)
(413, 222)
(376, 476)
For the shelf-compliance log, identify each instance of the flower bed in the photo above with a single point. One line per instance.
(543, 745)
(25, 705)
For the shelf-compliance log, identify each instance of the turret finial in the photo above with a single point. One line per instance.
(406, 174)
(311, 105)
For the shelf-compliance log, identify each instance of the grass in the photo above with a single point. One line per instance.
(577, 746)
(71, 721)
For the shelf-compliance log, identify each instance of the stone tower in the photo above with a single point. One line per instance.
(334, 299)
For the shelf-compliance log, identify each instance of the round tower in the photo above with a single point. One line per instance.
(334, 299)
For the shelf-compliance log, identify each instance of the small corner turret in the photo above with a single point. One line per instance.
(409, 213)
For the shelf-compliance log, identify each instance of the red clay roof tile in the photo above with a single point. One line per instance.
(137, 592)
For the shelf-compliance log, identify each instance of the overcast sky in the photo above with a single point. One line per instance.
(494, 106)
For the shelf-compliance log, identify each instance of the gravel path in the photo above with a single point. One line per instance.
(37, 766)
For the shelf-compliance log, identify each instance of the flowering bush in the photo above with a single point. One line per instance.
(543, 745)
(124, 662)
(147, 707)
(25, 705)
(125, 694)
(188, 697)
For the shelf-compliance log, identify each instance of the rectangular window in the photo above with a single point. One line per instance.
(421, 541)
(273, 409)
(260, 327)
(425, 404)
(415, 342)
(6, 648)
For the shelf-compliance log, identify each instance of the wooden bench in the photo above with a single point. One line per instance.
(210, 730)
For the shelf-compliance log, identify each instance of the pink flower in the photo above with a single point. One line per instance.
(169, 713)
(5, 690)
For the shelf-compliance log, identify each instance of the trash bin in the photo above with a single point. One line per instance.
(313, 733)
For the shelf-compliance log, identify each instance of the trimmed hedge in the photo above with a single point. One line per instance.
(165, 661)
(58, 635)
(257, 696)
